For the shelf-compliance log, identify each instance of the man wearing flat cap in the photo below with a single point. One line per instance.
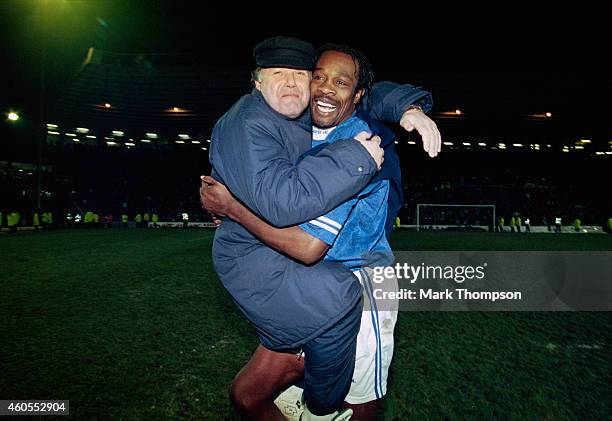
(254, 152)
(287, 52)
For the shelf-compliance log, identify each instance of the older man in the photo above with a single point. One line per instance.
(254, 151)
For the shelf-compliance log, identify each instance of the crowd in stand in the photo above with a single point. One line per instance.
(520, 202)
(534, 199)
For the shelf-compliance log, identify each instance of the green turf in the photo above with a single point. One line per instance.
(133, 324)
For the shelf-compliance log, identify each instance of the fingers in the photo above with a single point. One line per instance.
(438, 138)
(419, 121)
(216, 220)
(205, 193)
(432, 141)
(378, 140)
(363, 136)
(427, 136)
(374, 149)
(208, 179)
(207, 182)
(435, 145)
(426, 127)
(428, 141)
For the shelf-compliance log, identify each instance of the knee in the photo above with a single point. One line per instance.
(242, 399)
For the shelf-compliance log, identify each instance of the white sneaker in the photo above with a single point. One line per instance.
(342, 415)
(290, 403)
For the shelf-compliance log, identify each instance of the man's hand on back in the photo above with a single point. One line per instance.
(216, 198)
(372, 145)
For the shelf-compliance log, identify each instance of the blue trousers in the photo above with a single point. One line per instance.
(329, 364)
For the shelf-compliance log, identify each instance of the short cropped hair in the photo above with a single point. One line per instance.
(365, 74)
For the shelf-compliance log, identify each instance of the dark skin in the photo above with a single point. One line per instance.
(261, 380)
(267, 373)
(291, 241)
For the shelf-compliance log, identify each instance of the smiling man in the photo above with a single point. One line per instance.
(349, 234)
(333, 93)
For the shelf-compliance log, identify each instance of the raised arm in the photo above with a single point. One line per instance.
(257, 167)
(291, 241)
(389, 100)
(406, 105)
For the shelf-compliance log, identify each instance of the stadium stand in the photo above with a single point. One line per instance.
(129, 133)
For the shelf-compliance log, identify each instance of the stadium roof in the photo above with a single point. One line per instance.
(164, 94)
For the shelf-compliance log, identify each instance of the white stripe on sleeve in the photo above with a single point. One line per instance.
(329, 221)
(322, 225)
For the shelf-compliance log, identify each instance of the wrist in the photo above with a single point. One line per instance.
(235, 211)
(413, 107)
(232, 212)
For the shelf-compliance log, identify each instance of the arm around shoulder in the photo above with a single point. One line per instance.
(389, 100)
(259, 170)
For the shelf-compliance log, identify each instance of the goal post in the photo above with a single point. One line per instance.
(446, 215)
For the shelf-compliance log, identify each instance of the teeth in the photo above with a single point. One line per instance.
(326, 105)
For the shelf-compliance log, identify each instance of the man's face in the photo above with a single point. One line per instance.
(333, 94)
(285, 90)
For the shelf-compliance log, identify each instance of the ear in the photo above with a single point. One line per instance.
(257, 85)
(358, 96)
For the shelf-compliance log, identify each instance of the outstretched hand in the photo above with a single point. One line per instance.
(427, 128)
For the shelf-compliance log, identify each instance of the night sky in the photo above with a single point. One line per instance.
(490, 63)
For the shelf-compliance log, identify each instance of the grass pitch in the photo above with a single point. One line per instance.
(133, 324)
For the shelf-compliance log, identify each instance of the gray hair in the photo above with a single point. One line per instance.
(255, 75)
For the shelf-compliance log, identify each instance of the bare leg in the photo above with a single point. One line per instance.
(260, 381)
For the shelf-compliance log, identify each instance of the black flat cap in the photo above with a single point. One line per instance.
(289, 52)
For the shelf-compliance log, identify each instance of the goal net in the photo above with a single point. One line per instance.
(447, 216)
